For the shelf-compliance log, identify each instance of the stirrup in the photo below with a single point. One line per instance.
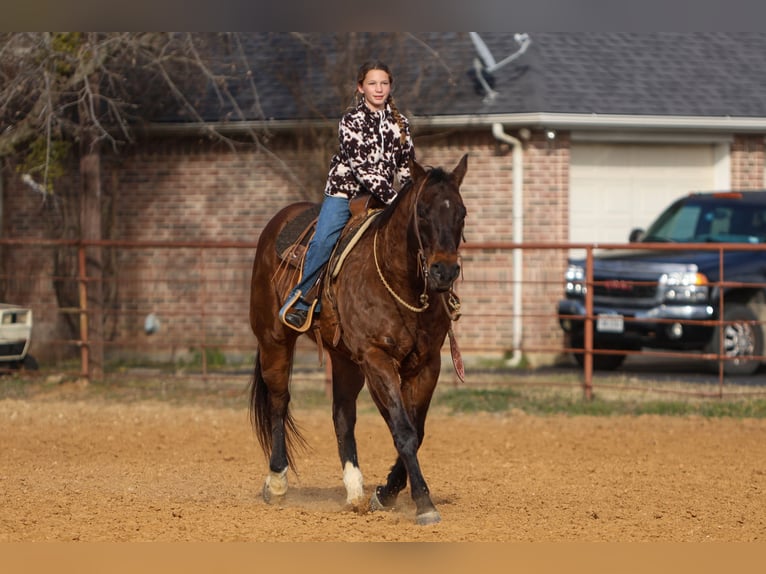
(309, 313)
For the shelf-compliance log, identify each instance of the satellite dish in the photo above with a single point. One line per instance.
(485, 65)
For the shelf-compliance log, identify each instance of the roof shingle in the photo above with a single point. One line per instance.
(717, 74)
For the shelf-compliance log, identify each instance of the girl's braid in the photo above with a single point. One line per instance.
(398, 117)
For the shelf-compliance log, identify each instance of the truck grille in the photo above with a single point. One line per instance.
(12, 349)
(624, 289)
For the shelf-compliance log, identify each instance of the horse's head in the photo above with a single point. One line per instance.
(439, 219)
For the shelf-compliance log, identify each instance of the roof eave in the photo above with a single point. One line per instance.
(559, 121)
(602, 121)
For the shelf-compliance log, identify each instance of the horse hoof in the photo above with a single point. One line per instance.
(358, 506)
(430, 517)
(376, 504)
(275, 486)
(268, 497)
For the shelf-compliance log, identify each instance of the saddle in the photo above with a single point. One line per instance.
(292, 242)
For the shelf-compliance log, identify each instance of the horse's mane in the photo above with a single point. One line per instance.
(433, 175)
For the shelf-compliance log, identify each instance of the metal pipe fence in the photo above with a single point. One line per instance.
(197, 295)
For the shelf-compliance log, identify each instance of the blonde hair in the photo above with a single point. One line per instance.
(378, 65)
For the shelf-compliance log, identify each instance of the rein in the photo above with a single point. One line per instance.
(423, 299)
(423, 296)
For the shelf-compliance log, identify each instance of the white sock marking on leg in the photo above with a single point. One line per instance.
(352, 478)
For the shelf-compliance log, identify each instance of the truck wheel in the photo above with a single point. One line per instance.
(600, 362)
(30, 363)
(740, 340)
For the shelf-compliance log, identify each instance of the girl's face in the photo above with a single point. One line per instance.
(376, 88)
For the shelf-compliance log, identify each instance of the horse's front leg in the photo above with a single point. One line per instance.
(406, 428)
(347, 381)
(385, 496)
(416, 395)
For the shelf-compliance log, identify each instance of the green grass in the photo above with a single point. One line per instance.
(479, 400)
(548, 402)
(310, 393)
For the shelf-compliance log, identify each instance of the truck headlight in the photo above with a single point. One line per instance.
(575, 280)
(684, 287)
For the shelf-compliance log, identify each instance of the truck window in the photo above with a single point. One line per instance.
(682, 226)
(721, 221)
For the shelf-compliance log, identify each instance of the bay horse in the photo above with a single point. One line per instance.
(383, 320)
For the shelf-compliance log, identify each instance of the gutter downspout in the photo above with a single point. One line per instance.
(518, 236)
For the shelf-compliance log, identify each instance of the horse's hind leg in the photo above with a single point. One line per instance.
(347, 381)
(270, 399)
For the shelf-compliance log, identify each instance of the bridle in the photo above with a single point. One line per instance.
(453, 306)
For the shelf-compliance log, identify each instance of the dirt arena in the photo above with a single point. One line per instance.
(149, 470)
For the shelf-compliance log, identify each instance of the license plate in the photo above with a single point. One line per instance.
(609, 324)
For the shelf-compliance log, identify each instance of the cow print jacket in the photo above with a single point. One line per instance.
(371, 156)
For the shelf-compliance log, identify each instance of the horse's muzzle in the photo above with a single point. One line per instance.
(443, 274)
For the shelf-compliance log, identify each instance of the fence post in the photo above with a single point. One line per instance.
(203, 306)
(721, 324)
(588, 343)
(83, 292)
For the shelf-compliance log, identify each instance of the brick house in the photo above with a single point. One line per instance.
(578, 138)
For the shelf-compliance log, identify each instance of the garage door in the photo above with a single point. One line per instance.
(615, 187)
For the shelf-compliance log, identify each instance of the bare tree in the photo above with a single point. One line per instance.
(64, 97)
(70, 97)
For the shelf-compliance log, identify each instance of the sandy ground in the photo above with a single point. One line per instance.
(96, 470)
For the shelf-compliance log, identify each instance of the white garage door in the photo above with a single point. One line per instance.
(616, 187)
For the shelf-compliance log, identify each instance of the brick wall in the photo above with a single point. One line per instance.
(747, 162)
(194, 190)
(546, 194)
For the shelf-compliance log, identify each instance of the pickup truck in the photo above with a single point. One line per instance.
(668, 299)
(15, 337)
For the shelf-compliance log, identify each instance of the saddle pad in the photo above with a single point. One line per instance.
(297, 225)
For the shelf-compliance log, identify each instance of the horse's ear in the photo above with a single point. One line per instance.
(459, 172)
(416, 170)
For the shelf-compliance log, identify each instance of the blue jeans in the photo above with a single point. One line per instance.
(333, 216)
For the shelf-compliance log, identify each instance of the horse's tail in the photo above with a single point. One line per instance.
(261, 420)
